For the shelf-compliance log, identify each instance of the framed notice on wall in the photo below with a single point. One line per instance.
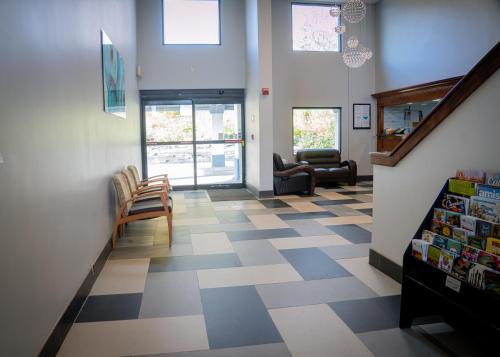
(362, 117)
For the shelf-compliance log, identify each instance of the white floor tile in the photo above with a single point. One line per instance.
(315, 330)
(211, 243)
(125, 276)
(331, 221)
(136, 337)
(251, 275)
(267, 221)
(372, 277)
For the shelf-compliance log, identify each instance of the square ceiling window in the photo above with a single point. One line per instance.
(313, 28)
(191, 22)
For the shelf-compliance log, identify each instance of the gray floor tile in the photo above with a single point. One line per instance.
(153, 251)
(257, 252)
(263, 234)
(223, 227)
(233, 216)
(305, 215)
(347, 251)
(341, 210)
(335, 202)
(267, 350)
(365, 315)
(367, 211)
(193, 262)
(309, 227)
(236, 316)
(313, 292)
(352, 232)
(171, 294)
(195, 194)
(399, 342)
(110, 308)
(313, 264)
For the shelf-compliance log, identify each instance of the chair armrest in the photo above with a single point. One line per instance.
(151, 188)
(303, 162)
(353, 167)
(294, 170)
(290, 165)
(158, 176)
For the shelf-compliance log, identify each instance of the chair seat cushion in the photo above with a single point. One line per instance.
(150, 206)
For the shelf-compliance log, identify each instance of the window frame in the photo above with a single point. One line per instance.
(340, 126)
(189, 44)
(323, 4)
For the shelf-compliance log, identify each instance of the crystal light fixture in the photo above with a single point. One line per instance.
(352, 42)
(340, 29)
(354, 11)
(354, 57)
(335, 11)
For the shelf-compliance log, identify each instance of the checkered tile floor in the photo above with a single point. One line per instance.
(276, 277)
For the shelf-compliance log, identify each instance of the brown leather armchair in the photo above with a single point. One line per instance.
(292, 178)
(328, 167)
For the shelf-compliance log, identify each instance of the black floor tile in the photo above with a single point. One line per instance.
(305, 215)
(365, 315)
(110, 308)
(274, 203)
(236, 316)
(194, 262)
(262, 234)
(335, 202)
(314, 264)
(350, 193)
(353, 233)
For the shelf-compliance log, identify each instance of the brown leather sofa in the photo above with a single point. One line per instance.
(328, 167)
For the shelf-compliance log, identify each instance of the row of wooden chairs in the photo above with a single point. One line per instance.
(141, 199)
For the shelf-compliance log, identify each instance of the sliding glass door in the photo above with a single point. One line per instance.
(199, 143)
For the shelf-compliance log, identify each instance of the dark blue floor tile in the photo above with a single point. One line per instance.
(305, 215)
(365, 315)
(313, 264)
(335, 202)
(236, 316)
(274, 203)
(194, 262)
(367, 211)
(110, 308)
(262, 234)
(353, 233)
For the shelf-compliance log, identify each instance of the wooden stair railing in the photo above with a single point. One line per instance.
(488, 65)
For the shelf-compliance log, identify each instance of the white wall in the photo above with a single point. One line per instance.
(321, 79)
(468, 138)
(427, 40)
(60, 150)
(191, 67)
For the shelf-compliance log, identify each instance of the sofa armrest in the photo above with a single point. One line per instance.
(299, 169)
(290, 165)
(353, 168)
(303, 162)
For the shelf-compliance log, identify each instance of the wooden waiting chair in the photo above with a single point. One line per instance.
(158, 179)
(131, 209)
(138, 191)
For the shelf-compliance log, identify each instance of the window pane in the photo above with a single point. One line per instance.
(314, 28)
(219, 163)
(191, 22)
(167, 123)
(218, 121)
(175, 160)
(316, 129)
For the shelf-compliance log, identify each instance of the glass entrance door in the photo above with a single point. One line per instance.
(197, 143)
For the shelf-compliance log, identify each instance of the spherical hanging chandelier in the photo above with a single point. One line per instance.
(354, 57)
(340, 29)
(354, 11)
(352, 42)
(335, 11)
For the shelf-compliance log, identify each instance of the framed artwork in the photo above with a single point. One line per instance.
(362, 116)
(113, 76)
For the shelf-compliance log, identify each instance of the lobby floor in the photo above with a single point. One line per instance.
(275, 277)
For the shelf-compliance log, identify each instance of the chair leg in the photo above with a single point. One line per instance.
(170, 236)
(115, 232)
(120, 230)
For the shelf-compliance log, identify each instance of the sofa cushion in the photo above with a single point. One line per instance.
(320, 157)
(340, 173)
